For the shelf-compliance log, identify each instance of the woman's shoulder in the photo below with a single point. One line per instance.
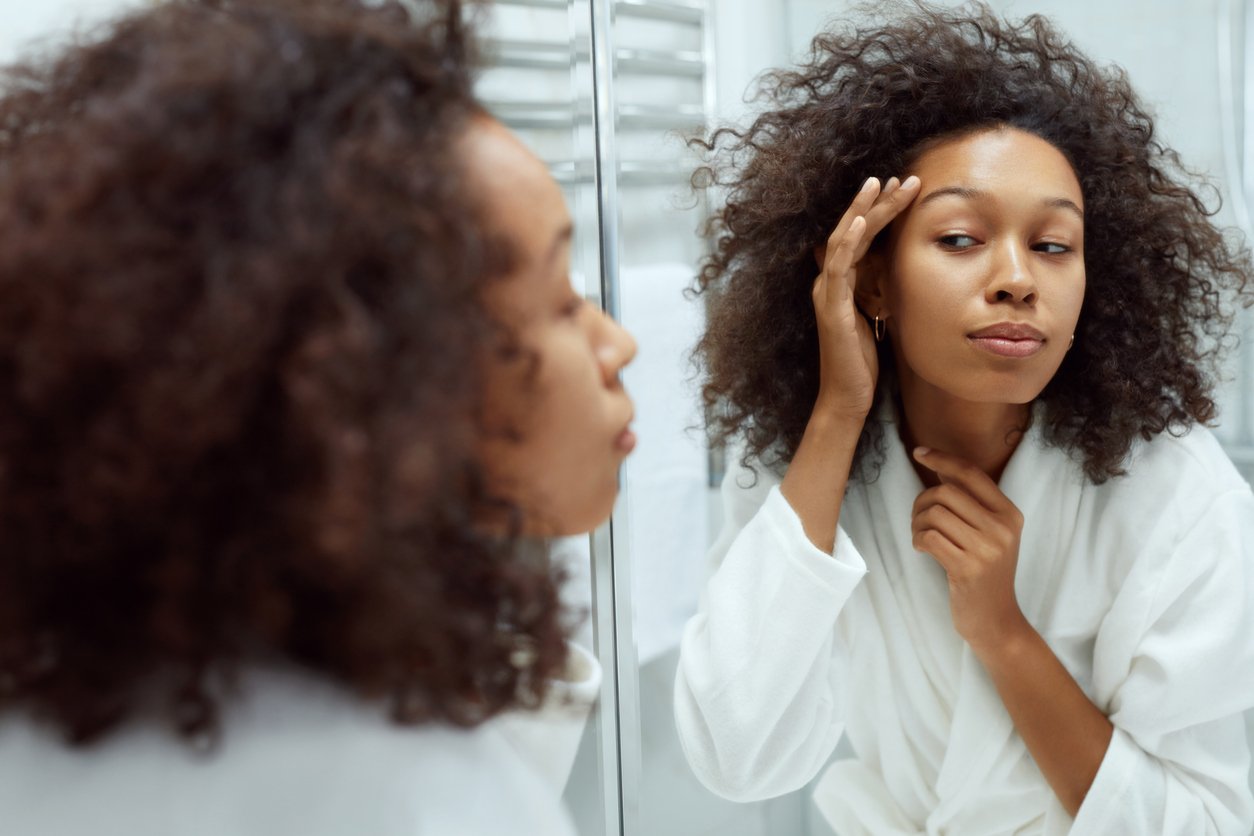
(295, 755)
(423, 779)
(1173, 482)
(1194, 457)
(1190, 467)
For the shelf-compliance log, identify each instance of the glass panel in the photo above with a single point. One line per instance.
(539, 83)
(1236, 80)
(664, 87)
(669, 518)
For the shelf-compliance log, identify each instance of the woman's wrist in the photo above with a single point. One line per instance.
(1006, 647)
(831, 417)
(828, 445)
(814, 485)
(840, 411)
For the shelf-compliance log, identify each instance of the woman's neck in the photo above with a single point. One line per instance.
(985, 434)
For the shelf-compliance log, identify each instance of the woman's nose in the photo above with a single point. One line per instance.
(616, 348)
(1012, 279)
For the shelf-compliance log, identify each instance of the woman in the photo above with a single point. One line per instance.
(295, 387)
(977, 523)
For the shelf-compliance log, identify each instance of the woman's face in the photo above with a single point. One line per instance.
(985, 270)
(558, 421)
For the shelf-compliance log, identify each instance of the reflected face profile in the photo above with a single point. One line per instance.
(558, 417)
(985, 276)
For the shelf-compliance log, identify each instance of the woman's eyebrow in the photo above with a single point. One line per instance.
(1064, 203)
(563, 236)
(973, 194)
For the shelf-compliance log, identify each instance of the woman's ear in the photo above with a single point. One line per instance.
(871, 292)
(869, 295)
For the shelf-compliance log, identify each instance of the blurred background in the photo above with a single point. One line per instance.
(605, 91)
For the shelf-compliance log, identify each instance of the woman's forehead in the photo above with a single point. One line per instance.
(997, 162)
(519, 196)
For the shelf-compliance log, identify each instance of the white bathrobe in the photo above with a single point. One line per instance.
(302, 757)
(1143, 587)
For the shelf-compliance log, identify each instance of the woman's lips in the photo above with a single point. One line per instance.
(1008, 348)
(626, 441)
(1009, 339)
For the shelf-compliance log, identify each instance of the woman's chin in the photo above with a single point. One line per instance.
(582, 515)
(997, 392)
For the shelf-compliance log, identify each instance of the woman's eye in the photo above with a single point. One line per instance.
(958, 242)
(1051, 248)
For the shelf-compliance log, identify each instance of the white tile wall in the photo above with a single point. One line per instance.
(31, 25)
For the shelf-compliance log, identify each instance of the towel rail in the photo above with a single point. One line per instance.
(554, 55)
(630, 173)
(540, 114)
(537, 4)
(543, 55)
(654, 62)
(657, 10)
(552, 115)
(672, 117)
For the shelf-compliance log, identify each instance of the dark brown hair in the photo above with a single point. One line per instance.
(866, 103)
(242, 332)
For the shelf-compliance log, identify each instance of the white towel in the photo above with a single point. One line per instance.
(666, 477)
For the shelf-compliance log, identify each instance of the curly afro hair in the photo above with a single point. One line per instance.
(242, 339)
(868, 102)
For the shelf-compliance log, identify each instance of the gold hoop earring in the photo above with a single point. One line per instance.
(880, 328)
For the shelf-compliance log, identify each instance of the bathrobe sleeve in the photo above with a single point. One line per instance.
(1174, 671)
(758, 695)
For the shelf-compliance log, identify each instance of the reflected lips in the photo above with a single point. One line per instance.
(1009, 339)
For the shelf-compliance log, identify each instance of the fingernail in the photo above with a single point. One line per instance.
(920, 452)
(910, 182)
(867, 185)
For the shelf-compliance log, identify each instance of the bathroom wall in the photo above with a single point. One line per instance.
(33, 24)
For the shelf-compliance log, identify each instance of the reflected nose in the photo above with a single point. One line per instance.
(616, 347)
(1012, 279)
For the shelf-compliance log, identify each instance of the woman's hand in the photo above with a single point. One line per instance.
(972, 530)
(848, 366)
(819, 472)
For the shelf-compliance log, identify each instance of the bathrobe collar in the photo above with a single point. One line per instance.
(1045, 486)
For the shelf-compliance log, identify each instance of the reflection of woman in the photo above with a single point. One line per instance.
(293, 386)
(1035, 611)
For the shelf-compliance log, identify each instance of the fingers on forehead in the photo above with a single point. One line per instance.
(890, 207)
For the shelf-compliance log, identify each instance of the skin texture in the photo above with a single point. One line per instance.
(561, 395)
(985, 229)
(996, 235)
